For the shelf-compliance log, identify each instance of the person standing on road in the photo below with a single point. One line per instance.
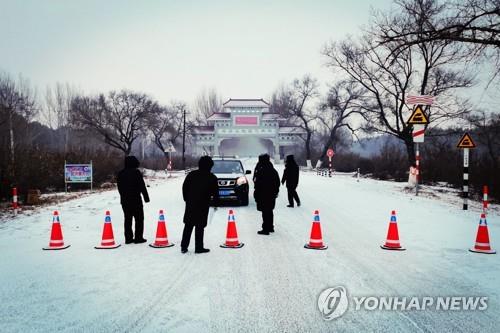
(291, 177)
(257, 167)
(131, 186)
(198, 189)
(267, 186)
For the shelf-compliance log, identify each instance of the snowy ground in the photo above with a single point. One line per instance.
(270, 285)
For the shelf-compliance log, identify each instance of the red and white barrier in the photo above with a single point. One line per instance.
(418, 133)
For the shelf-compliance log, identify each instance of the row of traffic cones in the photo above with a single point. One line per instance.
(392, 242)
(482, 244)
(108, 239)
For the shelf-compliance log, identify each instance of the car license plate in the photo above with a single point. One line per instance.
(224, 192)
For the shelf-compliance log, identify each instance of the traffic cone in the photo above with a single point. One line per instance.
(392, 241)
(161, 234)
(108, 239)
(316, 240)
(231, 234)
(482, 238)
(56, 236)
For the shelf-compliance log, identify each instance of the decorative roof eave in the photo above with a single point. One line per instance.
(219, 116)
(202, 130)
(246, 102)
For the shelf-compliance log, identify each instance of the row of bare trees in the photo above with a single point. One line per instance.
(37, 134)
(425, 47)
(422, 47)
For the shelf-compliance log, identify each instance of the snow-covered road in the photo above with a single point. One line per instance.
(270, 285)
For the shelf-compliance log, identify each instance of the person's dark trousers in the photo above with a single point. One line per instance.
(267, 220)
(292, 194)
(137, 214)
(198, 236)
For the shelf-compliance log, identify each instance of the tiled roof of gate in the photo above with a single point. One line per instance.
(203, 129)
(236, 102)
(219, 116)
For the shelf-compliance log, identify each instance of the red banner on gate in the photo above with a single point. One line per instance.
(246, 120)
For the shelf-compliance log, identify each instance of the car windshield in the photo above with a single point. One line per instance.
(227, 167)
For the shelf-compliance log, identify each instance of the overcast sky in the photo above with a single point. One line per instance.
(174, 49)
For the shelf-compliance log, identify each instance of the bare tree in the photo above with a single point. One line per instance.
(17, 100)
(341, 105)
(427, 68)
(118, 118)
(488, 134)
(167, 125)
(475, 23)
(206, 103)
(58, 109)
(293, 103)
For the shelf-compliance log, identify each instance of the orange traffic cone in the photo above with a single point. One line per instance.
(56, 236)
(482, 238)
(161, 234)
(108, 239)
(392, 241)
(316, 240)
(231, 234)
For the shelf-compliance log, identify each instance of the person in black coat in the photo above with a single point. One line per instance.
(198, 189)
(291, 177)
(267, 186)
(131, 186)
(257, 166)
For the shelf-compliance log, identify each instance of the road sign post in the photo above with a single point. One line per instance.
(466, 143)
(418, 120)
(330, 154)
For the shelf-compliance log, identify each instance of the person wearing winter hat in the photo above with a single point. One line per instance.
(198, 190)
(266, 189)
(131, 186)
(291, 177)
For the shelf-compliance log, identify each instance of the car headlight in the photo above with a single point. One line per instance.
(241, 180)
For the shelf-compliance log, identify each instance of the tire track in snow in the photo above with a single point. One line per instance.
(163, 298)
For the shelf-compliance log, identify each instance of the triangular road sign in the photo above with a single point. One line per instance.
(418, 117)
(466, 142)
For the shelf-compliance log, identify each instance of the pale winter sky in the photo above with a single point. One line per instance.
(174, 49)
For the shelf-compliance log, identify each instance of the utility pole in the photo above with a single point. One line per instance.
(184, 138)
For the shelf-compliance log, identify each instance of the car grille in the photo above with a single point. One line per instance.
(227, 182)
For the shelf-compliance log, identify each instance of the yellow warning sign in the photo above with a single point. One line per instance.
(418, 117)
(466, 142)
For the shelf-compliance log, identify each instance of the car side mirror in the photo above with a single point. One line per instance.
(248, 172)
